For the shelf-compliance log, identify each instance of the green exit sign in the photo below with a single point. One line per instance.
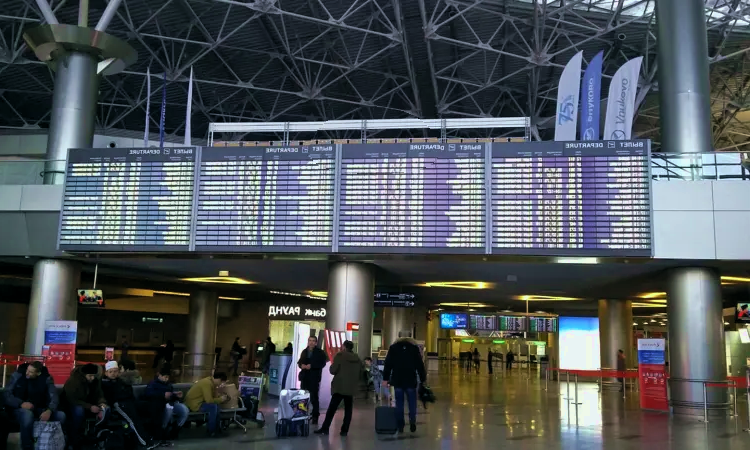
(498, 342)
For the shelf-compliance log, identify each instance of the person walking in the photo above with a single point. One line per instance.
(489, 360)
(404, 370)
(236, 354)
(509, 358)
(311, 362)
(621, 368)
(346, 370)
(476, 359)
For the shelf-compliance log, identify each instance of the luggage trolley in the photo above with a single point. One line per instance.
(250, 387)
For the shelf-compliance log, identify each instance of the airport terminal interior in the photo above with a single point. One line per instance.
(528, 215)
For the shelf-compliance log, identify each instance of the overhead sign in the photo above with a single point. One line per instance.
(297, 312)
(401, 300)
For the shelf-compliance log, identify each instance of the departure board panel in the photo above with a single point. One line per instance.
(276, 199)
(482, 322)
(586, 198)
(512, 323)
(119, 199)
(543, 324)
(422, 198)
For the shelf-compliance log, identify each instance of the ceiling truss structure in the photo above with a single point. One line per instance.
(297, 60)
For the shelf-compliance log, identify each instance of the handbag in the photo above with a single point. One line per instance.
(48, 436)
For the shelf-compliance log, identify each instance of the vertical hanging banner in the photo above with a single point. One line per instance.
(591, 88)
(60, 348)
(568, 91)
(148, 108)
(618, 123)
(652, 374)
(189, 111)
(163, 111)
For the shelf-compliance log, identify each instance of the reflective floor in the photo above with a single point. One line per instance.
(475, 412)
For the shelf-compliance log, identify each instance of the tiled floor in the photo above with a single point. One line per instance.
(476, 412)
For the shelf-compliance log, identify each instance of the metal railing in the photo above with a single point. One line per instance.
(22, 171)
(722, 384)
(700, 166)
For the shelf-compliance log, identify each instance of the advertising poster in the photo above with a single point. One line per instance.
(60, 348)
(652, 374)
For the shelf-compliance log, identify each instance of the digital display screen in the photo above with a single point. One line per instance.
(579, 343)
(266, 199)
(543, 324)
(742, 313)
(512, 323)
(128, 199)
(572, 198)
(453, 321)
(482, 322)
(427, 198)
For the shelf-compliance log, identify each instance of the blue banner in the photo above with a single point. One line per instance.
(591, 87)
(163, 111)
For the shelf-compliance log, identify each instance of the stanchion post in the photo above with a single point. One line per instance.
(559, 381)
(705, 404)
(576, 393)
(734, 400)
(5, 372)
(546, 379)
(567, 385)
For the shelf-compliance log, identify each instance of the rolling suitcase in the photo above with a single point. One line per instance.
(386, 420)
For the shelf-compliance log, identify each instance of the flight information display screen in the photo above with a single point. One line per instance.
(543, 324)
(512, 323)
(482, 322)
(119, 199)
(586, 198)
(425, 198)
(266, 199)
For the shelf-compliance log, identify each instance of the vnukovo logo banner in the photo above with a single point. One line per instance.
(618, 123)
(568, 91)
(591, 100)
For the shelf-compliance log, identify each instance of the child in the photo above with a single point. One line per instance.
(119, 394)
(376, 377)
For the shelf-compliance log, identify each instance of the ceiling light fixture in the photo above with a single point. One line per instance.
(648, 305)
(318, 294)
(219, 280)
(231, 298)
(544, 298)
(735, 279)
(466, 305)
(577, 260)
(652, 295)
(458, 284)
(635, 324)
(178, 294)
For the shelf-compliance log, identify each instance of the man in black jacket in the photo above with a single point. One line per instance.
(312, 361)
(166, 401)
(31, 396)
(119, 394)
(403, 365)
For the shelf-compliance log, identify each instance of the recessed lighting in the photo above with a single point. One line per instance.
(544, 298)
(652, 321)
(726, 323)
(540, 312)
(635, 324)
(220, 280)
(577, 260)
(458, 284)
(506, 310)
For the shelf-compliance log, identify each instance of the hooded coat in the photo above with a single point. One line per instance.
(79, 392)
(404, 364)
(347, 371)
(40, 391)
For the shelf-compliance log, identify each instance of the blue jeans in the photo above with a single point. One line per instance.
(212, 409)
(26, 419)
(411, 397)
(178, 414)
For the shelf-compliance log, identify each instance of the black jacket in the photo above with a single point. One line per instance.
(41, 391)
(156, 391)
(79, 392)
(403, 364)
(317, 361)
(117, 391)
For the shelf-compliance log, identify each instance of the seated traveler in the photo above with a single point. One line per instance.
(4, 429)
(202, 397)
(83, 398)
(119, 394)
(129, 374)
(161, 393)
(31, 396)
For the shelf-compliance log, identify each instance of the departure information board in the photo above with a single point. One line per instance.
(571, 198)
(482, 322)
(512, 323)
(119, 199)
(276, 199)
(425, 198)
(543, 324)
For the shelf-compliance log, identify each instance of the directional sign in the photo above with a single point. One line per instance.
(401, 300)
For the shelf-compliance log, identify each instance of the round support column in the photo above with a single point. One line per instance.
(696, 340)
(684, 95)
(397, 320)
(351, 287)
(615, 333)
(53, 297)
(201, 336)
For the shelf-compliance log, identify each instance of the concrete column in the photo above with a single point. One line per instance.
(419, 322)
(351, 287)
(201, 338)
(615, 332)
(696, 339)
(684, 95)
(432, 333)
(53, 297)
(73, 111)
(396, 320)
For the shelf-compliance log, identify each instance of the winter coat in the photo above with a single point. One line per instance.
(403, 364)
(118, 390)
(156, 391)
(317, 362)
(347, 371)
(40, 391)
(203, 391)
(131, 377)
(79, 392)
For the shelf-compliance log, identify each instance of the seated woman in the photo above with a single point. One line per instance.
(119, 394)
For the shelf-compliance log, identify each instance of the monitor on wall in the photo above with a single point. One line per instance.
(742, 313)
(454, 321)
